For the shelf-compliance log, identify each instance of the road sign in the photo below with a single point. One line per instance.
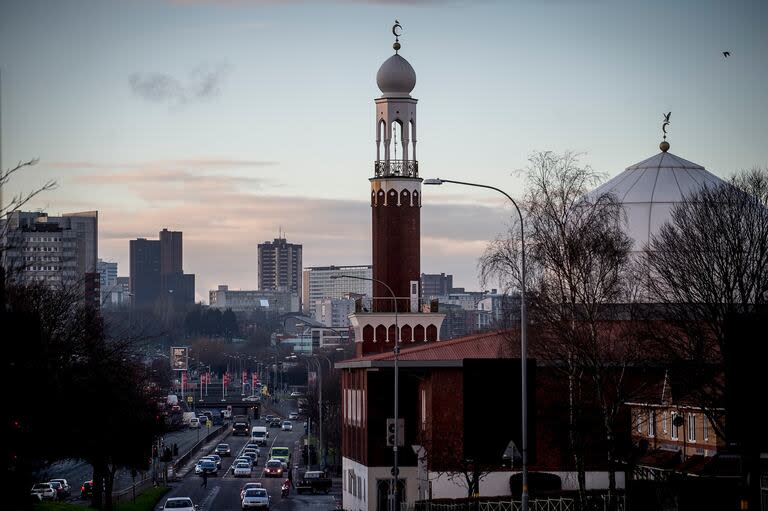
(189, 399)
(400, 432)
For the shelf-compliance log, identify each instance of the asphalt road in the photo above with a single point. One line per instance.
(223, 492)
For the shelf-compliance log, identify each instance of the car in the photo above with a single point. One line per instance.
(251, 457)
(287, 426)
(296, 393)
(293, 415)
(223, 450)
(64, 491)
(275, 423)
(248, 486)
(241, 459)
(268, 418)
(215, 458)
(86, 489)
(255, 452)
(273, 468)
(314, 481)
(242, 469)
(45, 490)
(179, 504)
(194, 422)
(207, 466)
(251, 398)
(255, 497)
(253, 447)
(59, 489)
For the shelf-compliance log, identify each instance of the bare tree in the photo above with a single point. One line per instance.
(579, 268)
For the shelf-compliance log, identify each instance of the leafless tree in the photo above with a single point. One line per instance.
(20, 199)
(579, 268)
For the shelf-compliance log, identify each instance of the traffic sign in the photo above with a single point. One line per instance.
(189, 399)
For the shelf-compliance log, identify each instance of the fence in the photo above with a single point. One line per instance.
(592, 503)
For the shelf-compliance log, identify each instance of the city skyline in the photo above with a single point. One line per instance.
(228, 120)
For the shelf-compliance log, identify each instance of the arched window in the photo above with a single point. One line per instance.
(392, 334)
(431, 333)
(397, 141)
(381, 333)
(406, 333)
(418, 333)
(367, 333)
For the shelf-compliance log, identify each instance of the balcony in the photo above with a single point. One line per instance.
(374, 305)
(396, 168)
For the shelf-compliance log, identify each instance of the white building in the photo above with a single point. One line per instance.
(108, 287)
(317, 284)
(334, 312)
(251, 300)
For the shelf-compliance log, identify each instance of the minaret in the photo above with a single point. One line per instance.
(396, 218)
(395, 185)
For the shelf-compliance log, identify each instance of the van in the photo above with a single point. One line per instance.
(259, 435)
(283, 454)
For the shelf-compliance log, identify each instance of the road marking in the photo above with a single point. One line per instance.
(209, 498)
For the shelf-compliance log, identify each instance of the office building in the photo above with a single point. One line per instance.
(157, 274)
(433, 285)
(281, 302)
(317, 284)
(107, 282)
(144, 272)
(280, 266)
(57, 250)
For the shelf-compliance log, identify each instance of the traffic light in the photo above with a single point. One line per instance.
(391, 432)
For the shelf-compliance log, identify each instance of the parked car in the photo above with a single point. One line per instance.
(179, 504)
(293, 415)
(255, 497)
(86, 490)
(243, 469)
(314, 481)
(287, 426)
(273, 468)
(59, 489)
(45, 490)
(223, 450)
(248, 486)
(64, 491)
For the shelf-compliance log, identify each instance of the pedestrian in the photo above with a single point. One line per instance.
(204, 484)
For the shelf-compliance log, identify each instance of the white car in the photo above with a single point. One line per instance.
(287, 426)
(293, 415)
(295, 394)
(194, 422)
(45, 490)
(255, 498)
(179, 504)
(243, 469)
(248, 486)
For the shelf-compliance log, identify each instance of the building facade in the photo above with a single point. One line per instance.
(144, 272)
(107, 282)
(157, 276)
(59, 251)
(280, 266)
(433, 285)
(280, 302)
(317, 284)
(334, 312)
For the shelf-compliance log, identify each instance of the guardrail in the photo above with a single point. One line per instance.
(180, 461)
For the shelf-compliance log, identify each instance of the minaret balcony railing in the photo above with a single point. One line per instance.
(396, 168)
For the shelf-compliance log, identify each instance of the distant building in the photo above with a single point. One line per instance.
(334, 312)
(280, 302)
(317, 284)
(56, 250)
(280, 266)
(107, 282)
(157, 274)
(144, 272)
(123, 289)
(436, 284)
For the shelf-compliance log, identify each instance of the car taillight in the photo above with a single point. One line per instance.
(82, 488)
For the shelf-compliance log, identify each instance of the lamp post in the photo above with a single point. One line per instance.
(523, 331)
(395, 468)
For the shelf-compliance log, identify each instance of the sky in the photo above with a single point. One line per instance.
(233, 120)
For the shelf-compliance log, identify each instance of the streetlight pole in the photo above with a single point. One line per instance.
(395, 469)
(523, 331)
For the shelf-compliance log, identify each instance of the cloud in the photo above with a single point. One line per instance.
(203, 82)
(192, 163)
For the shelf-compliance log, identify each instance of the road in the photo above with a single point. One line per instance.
(223, 492)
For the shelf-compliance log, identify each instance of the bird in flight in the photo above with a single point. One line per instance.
(726, 54)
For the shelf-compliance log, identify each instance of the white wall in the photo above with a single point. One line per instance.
(366, 500)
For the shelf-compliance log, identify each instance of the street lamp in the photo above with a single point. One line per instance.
(523, 331)
(395, 468)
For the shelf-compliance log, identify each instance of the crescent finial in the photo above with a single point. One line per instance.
(397, 29)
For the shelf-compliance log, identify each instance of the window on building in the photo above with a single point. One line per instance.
(639, 420)
(705, 427)
(423, 409)
(651, 423)
(675, 428)
(664, 422)
(691, 427)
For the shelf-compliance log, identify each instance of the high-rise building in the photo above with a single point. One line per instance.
(317, 284)
(107, 282)
(145, 272)
(171, 252)
(436, 284)
(56, 250)
(280, 266)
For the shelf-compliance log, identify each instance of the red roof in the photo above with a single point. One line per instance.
(498, 344)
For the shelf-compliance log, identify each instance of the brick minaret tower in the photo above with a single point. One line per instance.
(396, 219)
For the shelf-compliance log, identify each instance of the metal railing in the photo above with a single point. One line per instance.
(396, 168)
(593, 503)
(384, 304)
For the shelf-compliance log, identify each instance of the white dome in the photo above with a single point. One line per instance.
(649, 189)
(396, 77)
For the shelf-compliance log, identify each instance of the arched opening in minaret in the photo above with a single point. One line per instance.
(412, 140)
(381, 140)
(397, 141)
